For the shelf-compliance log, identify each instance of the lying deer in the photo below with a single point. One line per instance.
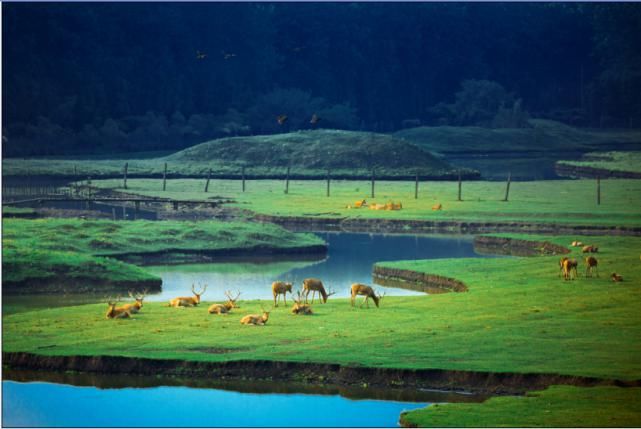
(136, 306)
(438, 206)
(256, 319)
(315, 285)
(616, 277)
(577, 244)
(226, 307)
(281, 288)
(590, 249)
(591, 264)
(188, 301)
(367, 292)
(116, 312)
(299, 307)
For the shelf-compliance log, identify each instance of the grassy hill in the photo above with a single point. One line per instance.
(603, 164)
(525, 152)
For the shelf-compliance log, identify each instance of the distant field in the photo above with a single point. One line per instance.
(614, 161)
(563, 201)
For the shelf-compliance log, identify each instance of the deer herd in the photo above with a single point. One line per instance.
(568, 267)
(301, 305)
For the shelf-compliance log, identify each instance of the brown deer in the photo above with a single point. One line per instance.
(367, 292)
(226, 307)
(591, 264)
(299, 307)
(561, 261)
(136, 306)
(577, 244)
(616, 277)
(116, 312)
(569, 268)
(590, 249)
(281, 288)
(438, 206)
(361, 203)
(256, 319)
(315, 285)
(188, 301)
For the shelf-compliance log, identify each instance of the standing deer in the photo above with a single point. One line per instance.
(226, 307)
(315, 285)
(561, 263)
(116, 312)
(569, 268)
(299, 307)
(368, 292)
(256, 319)
(188, 301)
(281, 288)
(591, 264)
(136, 306)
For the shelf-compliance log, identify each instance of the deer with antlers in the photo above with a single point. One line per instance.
(591, 265)
(188, 301)
(281, 288)
(367, 292)
(299, 307)
(116, 312)
(136, 306)
(256, 319)
(315, 285)
(226, 307)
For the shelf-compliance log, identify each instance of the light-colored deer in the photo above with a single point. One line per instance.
(256, 319)
(367, 292)
(116, 312)
(591, 265)
(570, 268)
(226, 307)
(280, 288)
(188, 301)
(136, 306)
(590, 249)
(299, 307)
(315, 285)
(561, 263)
(437, 206)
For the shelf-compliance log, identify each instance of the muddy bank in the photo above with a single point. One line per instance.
(314, 373)
(337, 224)
(414, 280)
(262, 253)
(72, 285)
(491, 245)
(581, 171)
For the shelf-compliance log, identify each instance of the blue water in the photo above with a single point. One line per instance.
(38, 404)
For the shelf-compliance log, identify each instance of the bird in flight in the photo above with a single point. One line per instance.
(200, 55)
(228, 55)
(281, 119)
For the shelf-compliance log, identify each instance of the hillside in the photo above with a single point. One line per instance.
(525, 152)
(603, 164)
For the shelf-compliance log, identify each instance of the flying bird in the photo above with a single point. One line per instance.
(228, 55)
(282, 119)
(314, 119)
(200, 55)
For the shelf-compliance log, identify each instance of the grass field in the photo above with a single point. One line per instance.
(48, 248)
(614, 161)
(563, 201)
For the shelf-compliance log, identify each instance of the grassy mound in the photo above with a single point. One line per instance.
(314, 151)
(614, 163)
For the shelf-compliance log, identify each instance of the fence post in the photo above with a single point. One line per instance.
(416, 187)
(328, 175)
(164, 178)
(125, 178)
(136, 208)
(373, 182)
(598, 190)
(507, 189)
(207, 184)
(459, 185)
(242, 173)
(287, 181)
(113, 213)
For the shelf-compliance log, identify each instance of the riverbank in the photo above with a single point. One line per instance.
(73, 255)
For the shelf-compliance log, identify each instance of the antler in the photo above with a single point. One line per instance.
(381, 296)
(228, 295)
(330, 292)
(194, 290)
(299, 295)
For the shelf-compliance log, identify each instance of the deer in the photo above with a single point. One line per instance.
(315, 285)
(359, 204)
(226, 307)
(187, 301)
(577, 244)
(256, 319)
(616, 277)
(591, 264)
(281, 288)
(368, 292)
(590, 249)
(561, 261)
(116, 312)
(136, 306)
(299, 307)
(569, 267)
(438, 206)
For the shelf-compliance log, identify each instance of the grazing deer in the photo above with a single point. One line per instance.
(569, 268)
(188, 301)
(590, 249)
(616, 277)
(136, 306)
(299, 307)
(561, 261)
(116, 312)
(226, 307)
(256, 319)
(368, 292)
(315, 285)
(281, 288)
(438, 206)
(591, 264)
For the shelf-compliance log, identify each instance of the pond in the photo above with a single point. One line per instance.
(74, 400)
